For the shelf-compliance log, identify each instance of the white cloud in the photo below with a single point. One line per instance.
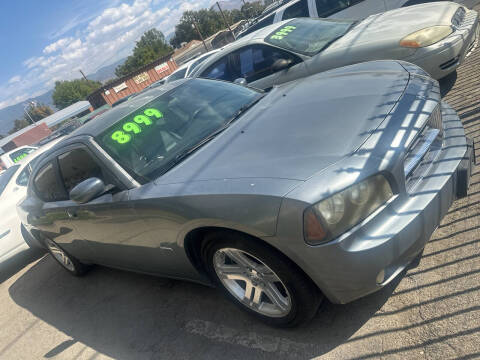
(105, 39)
(14, 79)
(59, 44)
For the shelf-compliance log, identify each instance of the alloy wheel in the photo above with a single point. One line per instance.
(252, 282)
(60, 255)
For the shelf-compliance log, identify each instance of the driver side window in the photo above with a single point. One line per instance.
(256, 61)
(76, 166)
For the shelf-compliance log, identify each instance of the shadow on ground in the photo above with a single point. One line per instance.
(13, 265)
(122, 314)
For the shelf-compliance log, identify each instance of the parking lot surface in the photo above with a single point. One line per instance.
(432, 311)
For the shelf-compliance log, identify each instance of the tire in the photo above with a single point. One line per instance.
(68, 262)
(30, 240)
(251, 274)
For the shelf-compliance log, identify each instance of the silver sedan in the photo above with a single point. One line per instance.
(327, 186)
(435, 36)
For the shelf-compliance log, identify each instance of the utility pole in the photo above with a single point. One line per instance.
(26, 112)
(195, 26)
(81, 72)
(225, 20)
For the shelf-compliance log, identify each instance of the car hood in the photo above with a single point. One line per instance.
(396, 24)
(301, 127)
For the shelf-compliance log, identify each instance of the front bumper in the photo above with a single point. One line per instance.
(350, 267)
(445, 57)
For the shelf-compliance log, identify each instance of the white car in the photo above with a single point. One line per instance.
(13, 188)
(336, 9)
(186, 69)
(14, 156)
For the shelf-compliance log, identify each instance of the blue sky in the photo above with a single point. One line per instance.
(49, 40)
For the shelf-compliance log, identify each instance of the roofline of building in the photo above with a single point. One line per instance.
(120, 80)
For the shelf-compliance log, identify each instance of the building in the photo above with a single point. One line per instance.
(41, 129)
(133, 82)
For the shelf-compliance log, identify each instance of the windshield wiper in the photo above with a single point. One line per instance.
(178, 158)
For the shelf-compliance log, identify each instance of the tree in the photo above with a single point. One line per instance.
(19, 124)
(36, 112)
(150, 47)
(67, 93)
(210, 21)
(252, 9)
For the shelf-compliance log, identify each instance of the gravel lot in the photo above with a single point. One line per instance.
(431, 312)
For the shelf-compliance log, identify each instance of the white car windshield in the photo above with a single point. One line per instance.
(309, 36)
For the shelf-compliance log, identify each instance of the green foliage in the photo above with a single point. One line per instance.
(67, 93)
(19, 124)
(36, 112)
(151, 46)
(252, 9)
(210, 21)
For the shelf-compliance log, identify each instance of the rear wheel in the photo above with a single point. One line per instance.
(260, 280)
(68, 262)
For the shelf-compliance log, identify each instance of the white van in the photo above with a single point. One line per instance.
(336, 9)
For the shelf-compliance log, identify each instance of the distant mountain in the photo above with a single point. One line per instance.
(105, 73)
(10, 113)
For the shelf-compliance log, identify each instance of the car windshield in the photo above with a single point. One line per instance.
(180, 74)
(308, 36)
(6, 176)
(18, 155)
(153, 138)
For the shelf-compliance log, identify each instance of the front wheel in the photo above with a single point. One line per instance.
(260, 280)
(68, 262)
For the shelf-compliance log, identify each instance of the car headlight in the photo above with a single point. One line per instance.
(426, 37)
(331, 217)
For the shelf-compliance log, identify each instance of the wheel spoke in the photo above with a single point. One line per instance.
(246, 277)
(257, 296)
(266, 274)
(249, 289)
(239, 258)
(275, 296)
(231, 269)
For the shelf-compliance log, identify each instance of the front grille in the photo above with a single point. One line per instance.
(458, 17)
(424, 150)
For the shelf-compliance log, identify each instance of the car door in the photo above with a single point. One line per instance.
(107, 225)
(48, 208)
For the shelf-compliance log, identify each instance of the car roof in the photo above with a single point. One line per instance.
(102, 122)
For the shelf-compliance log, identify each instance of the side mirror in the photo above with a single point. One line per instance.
(87, 190)
(281, 64)
(240, 81)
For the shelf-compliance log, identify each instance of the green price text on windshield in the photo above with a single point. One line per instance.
(130, 128)
(280, 34)
(20, 157)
